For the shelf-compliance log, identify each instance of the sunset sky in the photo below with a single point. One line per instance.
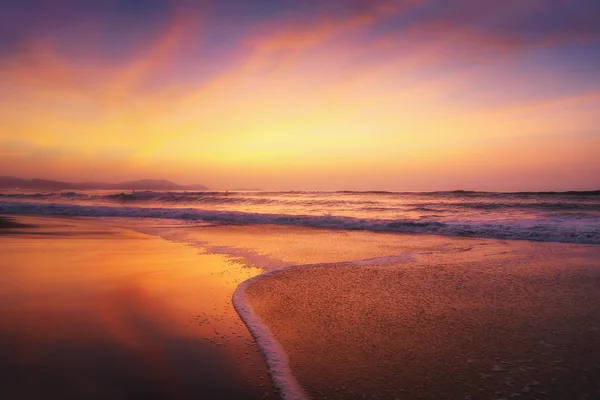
(312, 94)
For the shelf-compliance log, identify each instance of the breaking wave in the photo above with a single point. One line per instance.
(582, 230)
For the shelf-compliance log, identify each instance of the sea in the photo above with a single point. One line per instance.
(569, 217)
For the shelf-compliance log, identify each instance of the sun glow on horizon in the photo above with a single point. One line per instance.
(360, 101)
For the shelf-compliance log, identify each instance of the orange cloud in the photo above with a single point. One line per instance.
(550, 103)
(39, 70)
(149, 62)
(328, 97)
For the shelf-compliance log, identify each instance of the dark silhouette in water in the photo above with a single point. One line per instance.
(7, 223)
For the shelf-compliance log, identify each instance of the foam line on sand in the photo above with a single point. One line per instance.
(275, 356)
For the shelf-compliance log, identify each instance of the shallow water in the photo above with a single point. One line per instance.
(91, 311)
(560, 217)
(114, 304)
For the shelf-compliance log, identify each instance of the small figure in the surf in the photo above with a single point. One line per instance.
(226, 192)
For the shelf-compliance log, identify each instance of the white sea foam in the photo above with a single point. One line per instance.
(275, 357)
(551, 228)
(274, 354)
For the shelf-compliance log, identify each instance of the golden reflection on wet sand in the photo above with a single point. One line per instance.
(90, 311)
(272, 246)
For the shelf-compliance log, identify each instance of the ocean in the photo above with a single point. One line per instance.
(569, 217)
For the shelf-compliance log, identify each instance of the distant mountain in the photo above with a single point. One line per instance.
(144, 184)
(12, 182)
(9, 182)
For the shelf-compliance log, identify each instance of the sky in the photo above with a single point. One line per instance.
(303, 95)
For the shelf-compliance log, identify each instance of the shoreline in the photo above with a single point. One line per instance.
(303, 257)
(267, 339)
(275, 356)
(273, 353)
(96, 311)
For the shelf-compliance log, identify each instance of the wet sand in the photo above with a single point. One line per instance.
(483, 319)
(93, 311)
(90, 308)
(7, 224)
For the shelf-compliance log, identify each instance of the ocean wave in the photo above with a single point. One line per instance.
(555, 230)
(567, 193)
(484, 193)
(374, 201)
(538, 205)
(26, 195)
(420, 208)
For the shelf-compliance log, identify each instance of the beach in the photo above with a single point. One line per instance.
(89, 310)
(492, 320)
(300, 200)
(125, 307)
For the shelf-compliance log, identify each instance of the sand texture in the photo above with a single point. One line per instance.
(492, 321)
(90, 308)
